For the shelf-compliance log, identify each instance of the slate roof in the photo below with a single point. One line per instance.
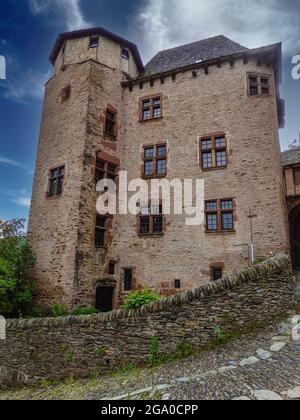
(185, 55)
(291, 157)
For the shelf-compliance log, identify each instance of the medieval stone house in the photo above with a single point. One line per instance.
(209, 110)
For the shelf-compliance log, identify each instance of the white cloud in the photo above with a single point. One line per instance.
(21, 86)
(164, 24)
(23, 201)
(67, 10)
(14, 163)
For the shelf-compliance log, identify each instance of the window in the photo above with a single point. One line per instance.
(213, 152)
(111, 123)
(56, 180)
(125, 54)
(297, 176)
(112, 268)
(258, 85)
(155, 161)
(150, 108)
(94, 42)
(128, 277)
(219, 215)
(216, 273)
(66, 93)
(105, 170)
(151, 220)
(177, 284)
(100, 231)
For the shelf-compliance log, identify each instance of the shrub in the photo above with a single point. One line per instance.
(16, 263)
(59, 310)
(84, 311)
(33, 313)
(153, 355)
(140, 298)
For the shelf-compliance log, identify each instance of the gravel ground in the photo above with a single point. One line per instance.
(261, 366)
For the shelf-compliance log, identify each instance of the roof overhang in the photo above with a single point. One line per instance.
(95, 31)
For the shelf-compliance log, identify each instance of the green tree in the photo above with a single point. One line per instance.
(16, 263)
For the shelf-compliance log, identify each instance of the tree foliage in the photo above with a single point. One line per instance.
(16, 263)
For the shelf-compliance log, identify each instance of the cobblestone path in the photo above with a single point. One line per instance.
(264, 366)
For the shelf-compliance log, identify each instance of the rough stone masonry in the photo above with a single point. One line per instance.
(209, 93)
(40, 349)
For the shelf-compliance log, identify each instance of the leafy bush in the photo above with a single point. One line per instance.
(33, 313)
(16, 263)
(84, 311)
(59, 310)
(140, 298)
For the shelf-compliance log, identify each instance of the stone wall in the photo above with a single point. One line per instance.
(57, 348)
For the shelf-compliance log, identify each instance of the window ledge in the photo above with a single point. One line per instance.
(151, 235)
(110, 136)
(154, 176)
(215, 168)
(151, 119)
(54, 197)
(221, 232)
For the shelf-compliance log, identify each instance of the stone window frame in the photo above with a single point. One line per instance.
(111, 119)
(214, 149)
(112, 264)
(259, 85)
(155, 158)
(151, 107)
(219, 211)
(125, 286)
(151, 216)
(296, 175)
(56, 194)
(66, 93)
(95, 44)
(216, 268)
(101, 226)
(125, 56)
(107, 161)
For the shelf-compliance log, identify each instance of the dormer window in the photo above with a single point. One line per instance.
(125, 54)
(94, 42)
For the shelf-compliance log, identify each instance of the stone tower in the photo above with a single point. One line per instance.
(89, 68)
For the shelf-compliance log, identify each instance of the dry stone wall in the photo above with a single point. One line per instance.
(57, 348)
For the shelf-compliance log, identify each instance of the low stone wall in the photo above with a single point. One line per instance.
(57, 348)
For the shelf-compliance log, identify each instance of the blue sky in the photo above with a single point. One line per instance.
(28, 29)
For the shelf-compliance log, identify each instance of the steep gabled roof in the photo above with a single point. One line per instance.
(186, 55)
(96, 31)
(291, 157)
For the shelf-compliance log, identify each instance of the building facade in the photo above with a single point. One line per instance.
(209, 110)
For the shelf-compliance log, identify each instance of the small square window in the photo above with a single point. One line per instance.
(206, 144)
(220, 142)
(226, 205)
(149, 152)
(112, 268)
(211, 206)
(145, 225)
(177, 284)
(216, 273)
(94, 42)
(150, 108)
(125, 54)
